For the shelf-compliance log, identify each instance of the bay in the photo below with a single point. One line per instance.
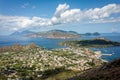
(53, 44)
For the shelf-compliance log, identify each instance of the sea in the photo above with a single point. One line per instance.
(54, 44)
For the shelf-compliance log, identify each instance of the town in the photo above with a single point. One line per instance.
(35, 62)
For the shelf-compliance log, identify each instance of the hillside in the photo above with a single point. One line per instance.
(56, 34)
(109, 71)
(35, 63)
(97, 42)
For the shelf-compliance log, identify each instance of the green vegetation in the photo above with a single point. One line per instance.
(51, 72)
(98, 42)
(33, 62)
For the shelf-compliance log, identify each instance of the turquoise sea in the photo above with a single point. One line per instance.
(53, 43)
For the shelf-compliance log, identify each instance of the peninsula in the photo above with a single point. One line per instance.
(97, 42)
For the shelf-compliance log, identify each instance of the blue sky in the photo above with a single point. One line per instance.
(76, 15)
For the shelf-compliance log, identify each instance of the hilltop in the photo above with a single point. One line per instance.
(96, 42)
(54, 34)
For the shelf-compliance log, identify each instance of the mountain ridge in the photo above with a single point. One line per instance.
(54, 34)
(22, 33)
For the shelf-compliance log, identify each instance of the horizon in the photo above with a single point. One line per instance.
(79, 16)
(59, 39)
(63, 30)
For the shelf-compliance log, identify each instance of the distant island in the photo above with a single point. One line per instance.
(22, 33)
(54, 34)
(91, 34)
(97, 42)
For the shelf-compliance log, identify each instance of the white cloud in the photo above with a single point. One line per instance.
(61, 9)
(11, 21)
(63, 14)
(103, 12)
(37, 21)
(17, 22)
(107, 20)
(97, 15)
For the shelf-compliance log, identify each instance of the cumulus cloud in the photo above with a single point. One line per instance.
(106, 11)
(17, 22)
(63, 14)
(60, 9)
(14, 21)
(97, 15)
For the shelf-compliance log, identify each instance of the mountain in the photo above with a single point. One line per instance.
(109, 71)
(54, 34)
(22, 33)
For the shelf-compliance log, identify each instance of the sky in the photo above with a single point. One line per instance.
(71, 15)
